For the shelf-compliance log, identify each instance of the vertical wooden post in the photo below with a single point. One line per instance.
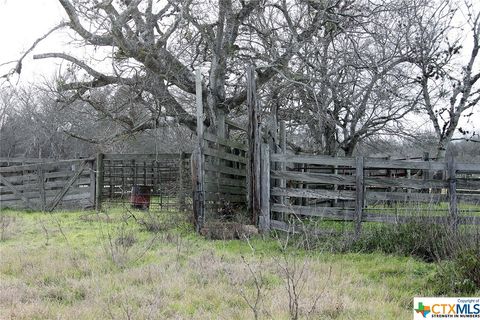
(253, 172)
(200, 158)
(426, 173)
(41, 187)
(99, 182)
(264, 220)
(359, 192)
(409, 175)
(283, 165)
(92, 182)
(452, 191)
(181, 191)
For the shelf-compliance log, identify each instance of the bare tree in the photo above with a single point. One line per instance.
(447, 76)
(155, 47)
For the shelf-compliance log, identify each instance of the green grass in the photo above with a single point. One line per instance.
(72, 265)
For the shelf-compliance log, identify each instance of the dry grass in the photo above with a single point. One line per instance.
(177, 275)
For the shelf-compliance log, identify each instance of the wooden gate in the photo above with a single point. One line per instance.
(48, 185)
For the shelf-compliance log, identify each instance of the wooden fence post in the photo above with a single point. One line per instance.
(199, 158)
(360, 195)
(264, 220)
(92, 182)
(41, 187)
(452, 192)
(283, 165)
(253, 172)
(99, 182)
(181, 178)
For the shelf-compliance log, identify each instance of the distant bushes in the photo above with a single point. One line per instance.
(426, 242)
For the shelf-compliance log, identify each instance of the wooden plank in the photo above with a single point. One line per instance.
(69, 183)
(359, 195)
(21, 178)
(140, 156)
(375, 163)
(314, 177)
(331, 213)
(264, 218)
(468, 198)
(224, 155)
(313, 159)
(313, 193)
(404, 196)
(224, 142)
(26, 202)
(47, 186)
(99, 181)
(404, 183)
(25, 160)
(468, 167)
(468, 184)
(46, 166)
(74, 198)
(338, 214)
(31, 195)
(224, 170)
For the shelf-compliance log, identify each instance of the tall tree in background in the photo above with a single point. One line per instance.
(447, 64)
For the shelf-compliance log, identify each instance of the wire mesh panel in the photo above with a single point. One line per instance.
(147, 181)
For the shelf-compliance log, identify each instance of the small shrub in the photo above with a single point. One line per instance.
(118, 244)
(460, 275)
(126, 240)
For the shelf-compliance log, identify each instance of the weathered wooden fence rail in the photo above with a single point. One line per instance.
(373, 190)
(48, 185)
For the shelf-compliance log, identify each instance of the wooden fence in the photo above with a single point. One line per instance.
(47, 185)
(219, 169)
(372, 190)
(219, 178)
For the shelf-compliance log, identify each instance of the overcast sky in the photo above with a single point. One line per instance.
(21, 23)
(24, 21)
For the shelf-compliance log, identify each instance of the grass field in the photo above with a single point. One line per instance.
(84, 265)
